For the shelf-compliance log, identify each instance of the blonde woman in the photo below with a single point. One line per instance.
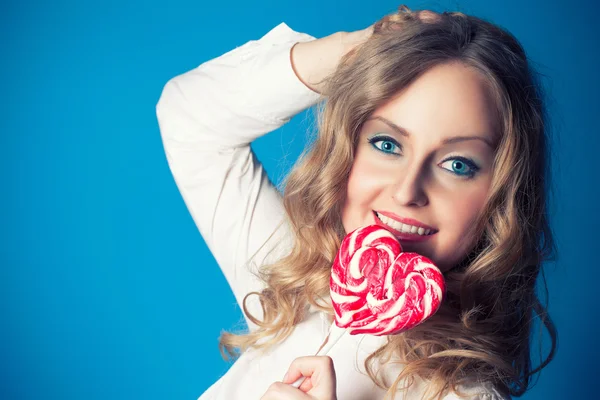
(431, 125)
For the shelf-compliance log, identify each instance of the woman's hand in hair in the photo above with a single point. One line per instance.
(393, 22)
(315, 60)
(319, 382)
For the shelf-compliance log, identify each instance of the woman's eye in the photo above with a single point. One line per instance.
(460, 166)
(385, 144)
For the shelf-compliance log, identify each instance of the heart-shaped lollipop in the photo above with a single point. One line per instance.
(378, 289)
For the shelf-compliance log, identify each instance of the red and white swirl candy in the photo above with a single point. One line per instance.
(378, 289)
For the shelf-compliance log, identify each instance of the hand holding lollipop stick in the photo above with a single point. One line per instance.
(377, 289)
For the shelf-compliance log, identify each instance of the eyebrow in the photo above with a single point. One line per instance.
(453, 139)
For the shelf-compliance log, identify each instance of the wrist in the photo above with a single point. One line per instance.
(313, 61)
(349, 40)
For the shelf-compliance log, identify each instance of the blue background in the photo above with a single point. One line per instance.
(104, 276)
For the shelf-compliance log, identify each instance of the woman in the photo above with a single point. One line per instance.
(432, 125)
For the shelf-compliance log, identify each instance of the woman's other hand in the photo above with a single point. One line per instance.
(319, 382)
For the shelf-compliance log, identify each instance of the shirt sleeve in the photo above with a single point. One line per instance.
(207, 118)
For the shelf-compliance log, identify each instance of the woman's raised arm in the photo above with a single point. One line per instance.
(207, 117)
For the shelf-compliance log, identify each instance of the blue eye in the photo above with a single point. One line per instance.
(385, 144)
(461, 166)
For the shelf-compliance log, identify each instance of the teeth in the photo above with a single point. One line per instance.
(403, 227)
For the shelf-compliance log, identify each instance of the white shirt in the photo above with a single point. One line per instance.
(208, 117)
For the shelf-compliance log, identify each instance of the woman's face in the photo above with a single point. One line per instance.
(423, 160)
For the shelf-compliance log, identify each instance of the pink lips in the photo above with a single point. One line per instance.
(408, 221)
(411, 237)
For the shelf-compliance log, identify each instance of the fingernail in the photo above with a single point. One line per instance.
(285, 376)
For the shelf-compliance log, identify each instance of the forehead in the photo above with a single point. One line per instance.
(447, 100)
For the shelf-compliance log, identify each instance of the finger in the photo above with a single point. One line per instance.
(292, 376)
(303, 383)
(280, 390)
(301, 366)
(319, 368)
(428, 16)
(306, 385)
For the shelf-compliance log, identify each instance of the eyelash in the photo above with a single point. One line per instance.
(472, 166)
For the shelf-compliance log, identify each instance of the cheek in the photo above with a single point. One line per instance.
(366, 180)
(456, 219)
(365, 184)
(461, 214)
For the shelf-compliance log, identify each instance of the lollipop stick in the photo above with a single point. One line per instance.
(334, 335)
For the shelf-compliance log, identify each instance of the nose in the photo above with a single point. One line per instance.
(409, 189)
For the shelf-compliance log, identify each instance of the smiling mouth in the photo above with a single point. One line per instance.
(404, 230)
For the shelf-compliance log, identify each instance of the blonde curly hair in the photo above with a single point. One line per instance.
(483, 328)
